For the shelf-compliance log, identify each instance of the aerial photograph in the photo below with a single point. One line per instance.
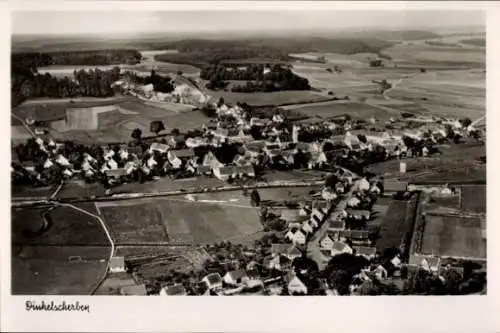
(248, 153)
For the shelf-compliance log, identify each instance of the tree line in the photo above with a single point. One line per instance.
(258, 76)
(91, 83)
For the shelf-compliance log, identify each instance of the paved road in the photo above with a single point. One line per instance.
(313, 246)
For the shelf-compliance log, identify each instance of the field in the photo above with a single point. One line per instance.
(113, 126)
(457, 164)
(353, 109)
(397, 223)
(40, 259)
(453, 236)
(65, 226)
(452, 93)
(181, 220)
(269, 98)
(473, 198)
(47, 271)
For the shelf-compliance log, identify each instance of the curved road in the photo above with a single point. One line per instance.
(108, 235)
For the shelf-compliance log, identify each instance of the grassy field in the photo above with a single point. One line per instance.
(453, 236)
(473, 198)
(47, 270)
(397, 223)
(134, 223)
(66, 227)
(269, 98)
(354, 109)
(457, 164)
(203, 221)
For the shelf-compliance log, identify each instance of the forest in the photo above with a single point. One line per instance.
(203, 52)
(259, 78)
(91, 83)
(27, 83)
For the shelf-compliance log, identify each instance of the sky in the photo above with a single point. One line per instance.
(125, 22)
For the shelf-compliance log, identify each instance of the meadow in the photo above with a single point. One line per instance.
(453, 236)
(354, 109)
(269, 98)
(179, 220)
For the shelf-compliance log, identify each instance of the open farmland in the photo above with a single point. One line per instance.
(473, 198)
(180, 220)
(134, 223)
(46, 270)
(457, 164)
(453, 236)
(269, 98)
(452, 93)
(353, 109)
(60, 226)
(419, 53)
(42, 245)
(396, 227)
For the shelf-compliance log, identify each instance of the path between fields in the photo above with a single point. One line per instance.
(108, 235)
(24, 124)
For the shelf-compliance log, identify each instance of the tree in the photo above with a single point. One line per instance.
(465, 122)
(157, 126)
(136, 134)
(220, 102)
(255, 198)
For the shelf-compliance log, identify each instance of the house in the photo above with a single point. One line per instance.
(236, 277)
(394, 186)
(159, 147)
(295, 284)
(175, 290)
(117, 264)
(358, 214)
(396, 261)
(184, 154)
(174, 161)
(115, 174)
(195, 142)
(280, 262)
(339, 248)
(307, 228)
(353, 202)
(293, 252)
(67, 173)
(224, 173)
(366, 251)
(327, 242)
(380, 272)
(136, 290)
(48, 164)
(211, 161)
(355, 236)
(296, 237)
(60, 159)
(362, 185)
(253, 278)
(108, 153)
(336, 224)
(213, 281)
(111, 163)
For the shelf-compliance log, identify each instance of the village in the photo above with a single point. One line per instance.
(326, 244)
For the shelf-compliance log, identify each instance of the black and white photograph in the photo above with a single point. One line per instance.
(248, 152)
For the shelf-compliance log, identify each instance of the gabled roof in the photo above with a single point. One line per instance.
(279, 248)
(174, 290)
(365, 250)
(293, 251)
(339, 246)
(337, 224)
(237, 274)
(213, 278)
(359, 234)
(184, 153)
